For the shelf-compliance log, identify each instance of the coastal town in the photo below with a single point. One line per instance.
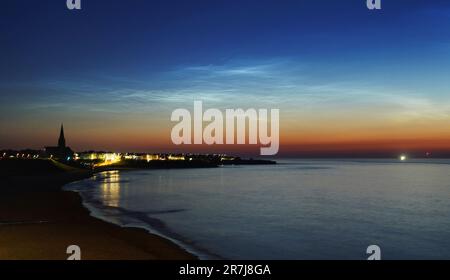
(98, 159)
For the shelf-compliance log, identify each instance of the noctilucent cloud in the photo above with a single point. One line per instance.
(345, 78)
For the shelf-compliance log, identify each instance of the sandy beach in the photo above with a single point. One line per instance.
(38, 221)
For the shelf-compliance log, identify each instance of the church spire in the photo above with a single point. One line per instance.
(61, 140)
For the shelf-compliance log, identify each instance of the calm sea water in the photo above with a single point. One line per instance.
(298, 209)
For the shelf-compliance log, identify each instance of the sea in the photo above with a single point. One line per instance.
(294, 210)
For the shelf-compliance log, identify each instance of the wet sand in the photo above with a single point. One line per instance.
(38, 221)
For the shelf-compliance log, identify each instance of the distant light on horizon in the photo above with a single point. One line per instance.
(403, 157)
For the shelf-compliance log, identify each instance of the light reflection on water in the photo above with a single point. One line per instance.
(301, 209)
(109, 188)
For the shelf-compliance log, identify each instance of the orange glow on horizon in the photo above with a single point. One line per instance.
(298, 135)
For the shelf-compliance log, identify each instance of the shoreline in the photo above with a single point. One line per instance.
(151, 225)
(39, 220)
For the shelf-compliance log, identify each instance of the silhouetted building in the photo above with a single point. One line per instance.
(61, 151)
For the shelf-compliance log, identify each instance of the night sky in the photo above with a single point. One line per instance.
(346, 79)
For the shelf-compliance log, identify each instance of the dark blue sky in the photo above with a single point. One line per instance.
(43, 40)
(149, 57)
